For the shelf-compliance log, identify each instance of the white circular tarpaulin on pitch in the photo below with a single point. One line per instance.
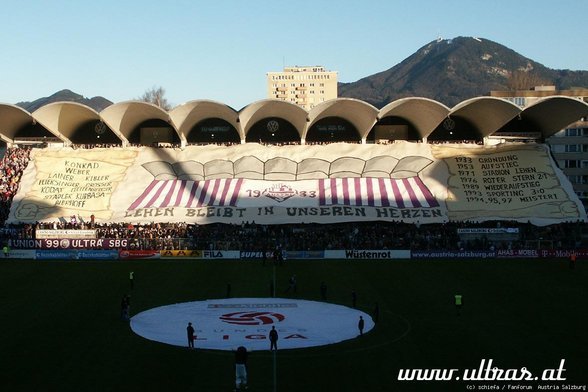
(225, 324)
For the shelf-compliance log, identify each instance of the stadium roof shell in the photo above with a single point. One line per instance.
(485, 114)
(426, 114)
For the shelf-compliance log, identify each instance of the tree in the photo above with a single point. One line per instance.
(156, 96)
(524, 80)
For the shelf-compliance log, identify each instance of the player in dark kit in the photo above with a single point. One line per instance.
(273, 336)
(323, 291)
(190, 331)
(241, 369)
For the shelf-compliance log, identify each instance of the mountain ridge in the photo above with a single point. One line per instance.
(97, 103)
(453, 70)
(447, 70)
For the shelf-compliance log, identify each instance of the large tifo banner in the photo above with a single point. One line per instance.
(409, 182)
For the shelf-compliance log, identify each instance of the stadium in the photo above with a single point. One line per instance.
(272, 215)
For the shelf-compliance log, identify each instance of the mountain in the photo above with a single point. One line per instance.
(96, 103)
(447, 70)
(453, 70)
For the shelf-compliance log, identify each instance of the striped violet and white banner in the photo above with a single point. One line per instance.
(408, 192)
(189, 194)
(376, 192)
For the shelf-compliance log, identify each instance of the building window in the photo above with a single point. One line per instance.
(572, 132)
(576, 147)
(571, 164)
(574, 179)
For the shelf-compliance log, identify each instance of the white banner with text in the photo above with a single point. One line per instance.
(408, 182)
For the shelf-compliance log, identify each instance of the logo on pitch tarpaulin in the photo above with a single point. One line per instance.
(224, 324)
(252, 318)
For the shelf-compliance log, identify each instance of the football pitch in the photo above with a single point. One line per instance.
(61, 328)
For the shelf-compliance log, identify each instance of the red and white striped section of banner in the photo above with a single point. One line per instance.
(189, 194)
(407, 192)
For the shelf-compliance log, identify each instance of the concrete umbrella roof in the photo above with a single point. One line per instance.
(359, 113)
(487, 114)
(259, 110)
(185, 116)
(12, 119)
(423, 113)
(552, 114)
(64, 118)
(124, 117)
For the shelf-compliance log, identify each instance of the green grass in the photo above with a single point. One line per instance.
(60, 327)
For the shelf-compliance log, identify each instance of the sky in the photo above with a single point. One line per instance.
(222, 49)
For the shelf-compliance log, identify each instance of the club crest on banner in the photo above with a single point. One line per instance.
(279, 192)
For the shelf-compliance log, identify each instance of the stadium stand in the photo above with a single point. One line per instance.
(14, 161)
(307, 237)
